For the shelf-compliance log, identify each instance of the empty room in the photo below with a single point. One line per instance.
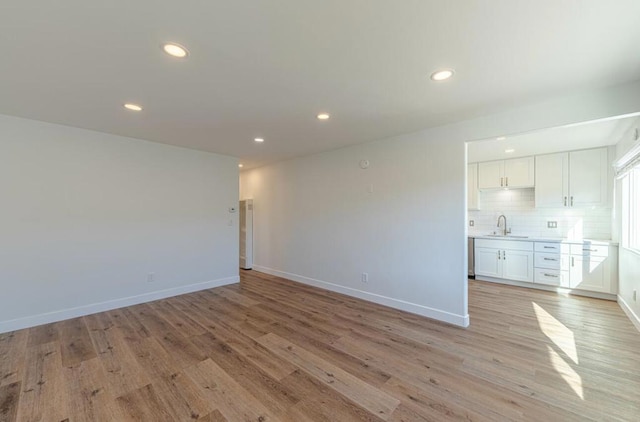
(355, 210)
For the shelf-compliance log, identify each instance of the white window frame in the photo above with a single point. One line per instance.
(630, 183)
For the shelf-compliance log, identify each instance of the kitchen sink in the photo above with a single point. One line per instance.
(512, 236)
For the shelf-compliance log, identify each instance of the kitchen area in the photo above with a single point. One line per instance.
(541, 209)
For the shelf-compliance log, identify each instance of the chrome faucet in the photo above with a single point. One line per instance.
(504, 231)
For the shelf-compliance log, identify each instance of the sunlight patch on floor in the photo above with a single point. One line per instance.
(573, 379)
(557, 332)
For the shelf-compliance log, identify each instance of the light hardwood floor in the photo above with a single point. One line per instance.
(270, 349)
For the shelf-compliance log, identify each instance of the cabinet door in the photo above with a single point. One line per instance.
(552, 180)
(472, 186)
(519, 172)
(491, 175)
(588, 173)
(487, 262)
(590, 273)
(518, 265)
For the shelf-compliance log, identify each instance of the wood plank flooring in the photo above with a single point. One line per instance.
(268, 349)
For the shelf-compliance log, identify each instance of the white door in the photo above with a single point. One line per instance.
(246, 234)
(491, 175)
(518, 265)
(588, 177)
(519, 172)
(488, 262)
(552, 180)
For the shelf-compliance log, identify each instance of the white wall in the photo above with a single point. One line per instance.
(315, 218)
(629, 261)
(85, 216)
(316, 223)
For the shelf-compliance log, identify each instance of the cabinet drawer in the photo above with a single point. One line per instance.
(547, 260)
(545, 276)
(587, 249)
(551, 247)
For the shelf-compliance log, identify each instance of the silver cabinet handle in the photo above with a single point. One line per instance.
(502, 181)
(506, 181)
(504, 255)
(572, 201)
(498, 254)
(550, 259)
(572, 261)
(550, 275)
(590, 250)
(565, 201)
(550, 247)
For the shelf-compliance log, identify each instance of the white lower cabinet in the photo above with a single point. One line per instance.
(549, 263)
(590, 268)
(517, 265)
(507, 259)
(580, 266)
(551, 277)
(488, 262)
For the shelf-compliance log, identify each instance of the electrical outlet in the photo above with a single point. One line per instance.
(365, 277)
(151, 277)
(552, 224)
(635, 295)
(472, 223)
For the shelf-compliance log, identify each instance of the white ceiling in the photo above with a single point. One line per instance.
(565, 138)
(265, 68)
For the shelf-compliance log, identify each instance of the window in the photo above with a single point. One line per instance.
(631, 209)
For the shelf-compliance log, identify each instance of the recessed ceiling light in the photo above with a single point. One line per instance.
(175, 50)
(323, 116)
(134, 107)
(441, 75)
(240, 165)
(509, 150)
(259, 139)
(501, 138)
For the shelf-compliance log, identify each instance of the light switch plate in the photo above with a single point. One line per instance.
(552, 224)
(472, 223)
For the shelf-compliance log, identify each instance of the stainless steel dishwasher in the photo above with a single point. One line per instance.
(472, 261)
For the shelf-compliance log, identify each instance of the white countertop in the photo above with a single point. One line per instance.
(545, 239)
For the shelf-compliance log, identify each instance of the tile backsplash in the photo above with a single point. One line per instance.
(518, 205)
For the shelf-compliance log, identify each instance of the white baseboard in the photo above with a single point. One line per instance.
(459, 320)
(627, 310)
(60, 315)
(539, 286)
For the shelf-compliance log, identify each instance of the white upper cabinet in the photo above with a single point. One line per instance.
(572, 179)
(552, 180)
(472, 187)
(519, 172)
(491, 175)
(515, 173)
(588, 173)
